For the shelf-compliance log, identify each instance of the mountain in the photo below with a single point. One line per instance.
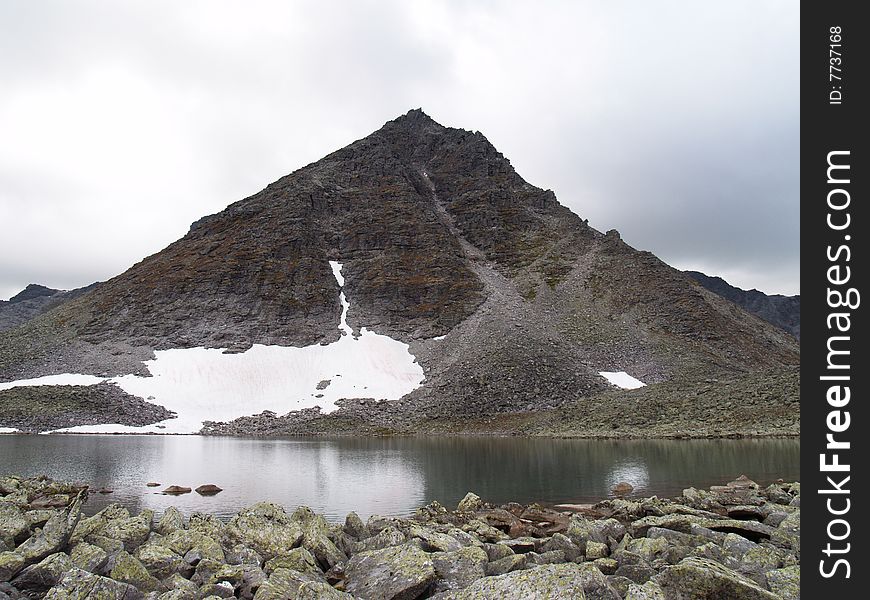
(779, 310)
(422, 244)
(32, 301)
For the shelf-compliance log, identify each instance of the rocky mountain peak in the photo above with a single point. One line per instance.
(33, 290)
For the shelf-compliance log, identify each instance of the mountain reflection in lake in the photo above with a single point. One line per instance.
(388, 476)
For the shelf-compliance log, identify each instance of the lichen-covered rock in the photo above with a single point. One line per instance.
(564, 544)
(509, 563)
(13, 523)
(399, 573)
(647, 548)
(38, 578)
(318, 590)
(387, 537)
(54, 536)
(552, 557)
(78, 584)
(484, 531)
(297, 559)
(132, 532)
(354, 526)
(10, 564)
(284, 584)
(607, 566)
(785, 582)
(434, 541)
(470, 503)
(596, 550)
(266, 528)
(460, 568)
(161, 561)
(546, 582)
(96, 525)
(705, 579)
(648, 591)
(176, 582)
(172, 520)
(128, 569)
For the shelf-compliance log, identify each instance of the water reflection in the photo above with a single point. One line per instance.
(391, 476)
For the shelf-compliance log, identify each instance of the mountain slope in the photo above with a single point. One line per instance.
(779, 310)
(438, 236)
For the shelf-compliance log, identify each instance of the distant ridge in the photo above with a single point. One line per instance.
(779, 310)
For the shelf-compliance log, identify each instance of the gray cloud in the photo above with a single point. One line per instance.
(675, 122)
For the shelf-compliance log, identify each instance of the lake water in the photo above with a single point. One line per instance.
(387, 476)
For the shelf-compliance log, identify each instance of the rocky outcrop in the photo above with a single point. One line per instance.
(632, 548)
(776, 309)
(45, 408)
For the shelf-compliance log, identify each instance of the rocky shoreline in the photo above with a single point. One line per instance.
(737, 541)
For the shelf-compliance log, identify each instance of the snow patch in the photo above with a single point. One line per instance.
(438, 338)
(622, 379)
(8, 430)
(63, 379)
(204, 384)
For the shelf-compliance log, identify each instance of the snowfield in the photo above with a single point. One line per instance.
(622, 379)
(204, 384)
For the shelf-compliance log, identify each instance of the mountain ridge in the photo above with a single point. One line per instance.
(439, 236)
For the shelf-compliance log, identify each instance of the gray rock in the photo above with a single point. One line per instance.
(161, 561)
(354, 527)
(54, 536)
(563, 543)
(172, 520)
(10, 564)
(88, 557)
(546, 582)
(705, 579)
(399, 573)
(785, 582)
(648, 591)
(297, 559)
(434, 541)
(507, 564)
(460, 568)
(13, 523)
(38, 578)
(128, 569)
(79, 584)
(470, 503)
(265, 528)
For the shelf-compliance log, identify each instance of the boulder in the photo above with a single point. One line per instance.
(550, 582)
(78, 583)
(54, 536)
(648, 591)
(36, 579)
(434, 541)
(297, 559)
(354, 527)
(284, 584)
(208, 489)
(88, 557)
(399, 573)
(266, 528)
(507, 564)
(161, 561)
(132, 532)
(460, 568)
(470, 503)
(786, 582)
(563, 543)
(128, 569)
(13, 523)
(177, 490)
(705, 579)
(10, 564)
(172, 520)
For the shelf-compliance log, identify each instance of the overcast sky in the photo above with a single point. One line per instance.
(676, 123)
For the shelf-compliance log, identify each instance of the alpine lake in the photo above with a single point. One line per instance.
(390, 476)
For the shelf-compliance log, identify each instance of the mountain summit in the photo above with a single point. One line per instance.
(507, 301)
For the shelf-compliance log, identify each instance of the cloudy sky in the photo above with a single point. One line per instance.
(676, 123)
